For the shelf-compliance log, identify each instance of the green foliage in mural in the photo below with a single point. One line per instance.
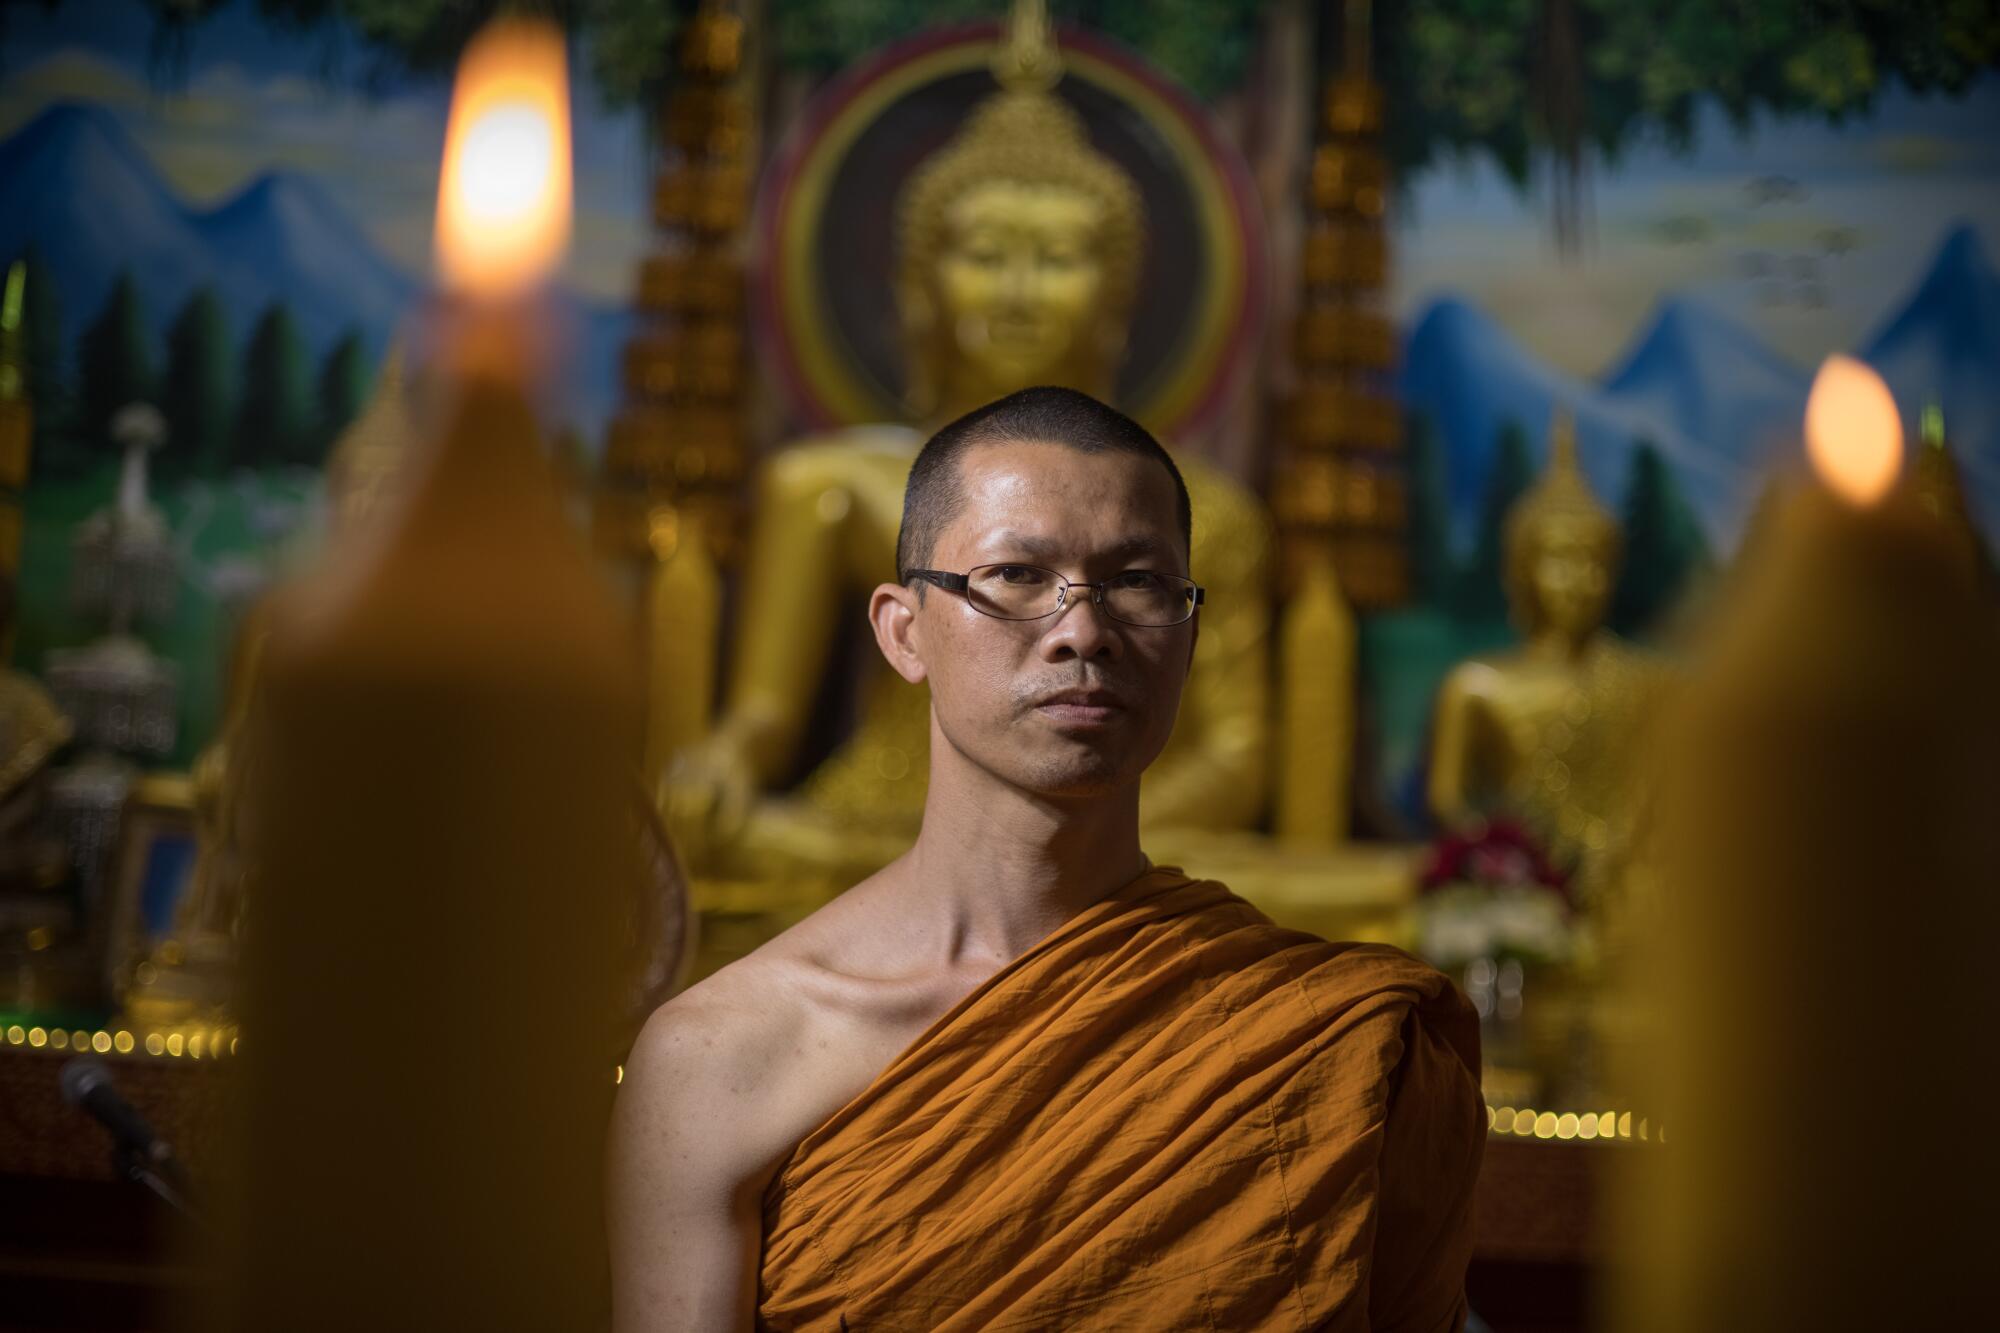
(1664, 546)
(1431, 565)
(1482, 583)
(1205, 44)
(1532, 84)
(115, 364)
(275, 424)
(196, 395)
(343, 388)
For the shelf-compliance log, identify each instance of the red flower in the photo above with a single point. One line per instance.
(1497, 853)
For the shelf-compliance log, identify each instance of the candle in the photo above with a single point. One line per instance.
(1832, 913)
(444, 760)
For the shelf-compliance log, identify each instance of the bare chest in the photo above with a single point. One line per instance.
(850, 1032)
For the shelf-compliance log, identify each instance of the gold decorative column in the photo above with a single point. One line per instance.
(668, 502)
(17, 431)
(1338, 491)
(1339, 488)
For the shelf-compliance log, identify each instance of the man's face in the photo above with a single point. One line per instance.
(1020, 280)
(1076, 704)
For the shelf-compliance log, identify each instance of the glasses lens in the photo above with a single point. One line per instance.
(1141, 597)
(1014, 592)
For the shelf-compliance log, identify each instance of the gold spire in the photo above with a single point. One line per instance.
(1027, 59)
(1940, 492)
(1561, 493)
(1560, 501)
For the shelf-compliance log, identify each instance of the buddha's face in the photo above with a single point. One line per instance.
(1571, 579)
(1019, 281)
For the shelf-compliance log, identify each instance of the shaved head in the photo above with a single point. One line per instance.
(1029, 416)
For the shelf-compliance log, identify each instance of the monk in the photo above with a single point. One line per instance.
(1022, 1078)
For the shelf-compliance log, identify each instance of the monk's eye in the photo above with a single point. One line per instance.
(1020, 576)
(1137, 580)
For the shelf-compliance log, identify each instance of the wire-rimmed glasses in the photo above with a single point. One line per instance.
(1141, 597)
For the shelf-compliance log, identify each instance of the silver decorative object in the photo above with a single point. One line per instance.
(86, 801)
(122, 698)
(118, 693)
(125, 571)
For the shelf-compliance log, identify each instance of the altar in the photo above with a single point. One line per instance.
(83, 1248)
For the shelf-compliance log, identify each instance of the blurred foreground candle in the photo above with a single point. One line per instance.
(1833, 921)
(442, 842)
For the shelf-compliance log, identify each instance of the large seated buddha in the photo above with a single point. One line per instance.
(1019, 250)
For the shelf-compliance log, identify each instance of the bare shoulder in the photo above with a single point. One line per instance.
(729, 1076)
(699, 1126)
(706, 1080)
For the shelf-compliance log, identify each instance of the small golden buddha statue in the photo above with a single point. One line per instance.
(1019, 248)
(1551, 732)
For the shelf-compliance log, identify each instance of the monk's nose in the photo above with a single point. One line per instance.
(1081, 629)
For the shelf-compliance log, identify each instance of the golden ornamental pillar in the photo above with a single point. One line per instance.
(1338, 489)
(677, 451)
(1339, 492)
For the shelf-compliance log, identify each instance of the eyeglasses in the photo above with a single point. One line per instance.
(1029, 592)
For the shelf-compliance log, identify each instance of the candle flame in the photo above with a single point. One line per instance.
(504, 198)
(1854, 435)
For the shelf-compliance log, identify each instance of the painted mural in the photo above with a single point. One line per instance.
(235, 230)
(234, 227)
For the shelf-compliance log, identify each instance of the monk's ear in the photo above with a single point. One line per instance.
(892, 612)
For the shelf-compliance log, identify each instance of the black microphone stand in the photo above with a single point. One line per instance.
(160, 1173)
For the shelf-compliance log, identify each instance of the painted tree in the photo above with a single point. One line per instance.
(1537, 86)
(343, 388)
(1482, 582)
(115, 364)
(1430, 515)
(196, 397)
(275, 421)
(49, 385)
(1664, 545)
(1206, 44)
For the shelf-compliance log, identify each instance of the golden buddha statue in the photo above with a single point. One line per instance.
(1018, 252)
(1554, 734)
(1551, 733)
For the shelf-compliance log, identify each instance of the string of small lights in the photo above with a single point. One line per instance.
(191, 1043)
(1602, 1126)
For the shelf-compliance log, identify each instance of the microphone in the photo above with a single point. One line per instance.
(86, 1085)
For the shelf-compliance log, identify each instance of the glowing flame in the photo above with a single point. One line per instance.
(504, 199)
(1854, 436)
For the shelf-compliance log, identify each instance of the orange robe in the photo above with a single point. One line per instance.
(1171, 1113)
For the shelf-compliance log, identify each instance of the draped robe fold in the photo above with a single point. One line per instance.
(1170, 1113)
